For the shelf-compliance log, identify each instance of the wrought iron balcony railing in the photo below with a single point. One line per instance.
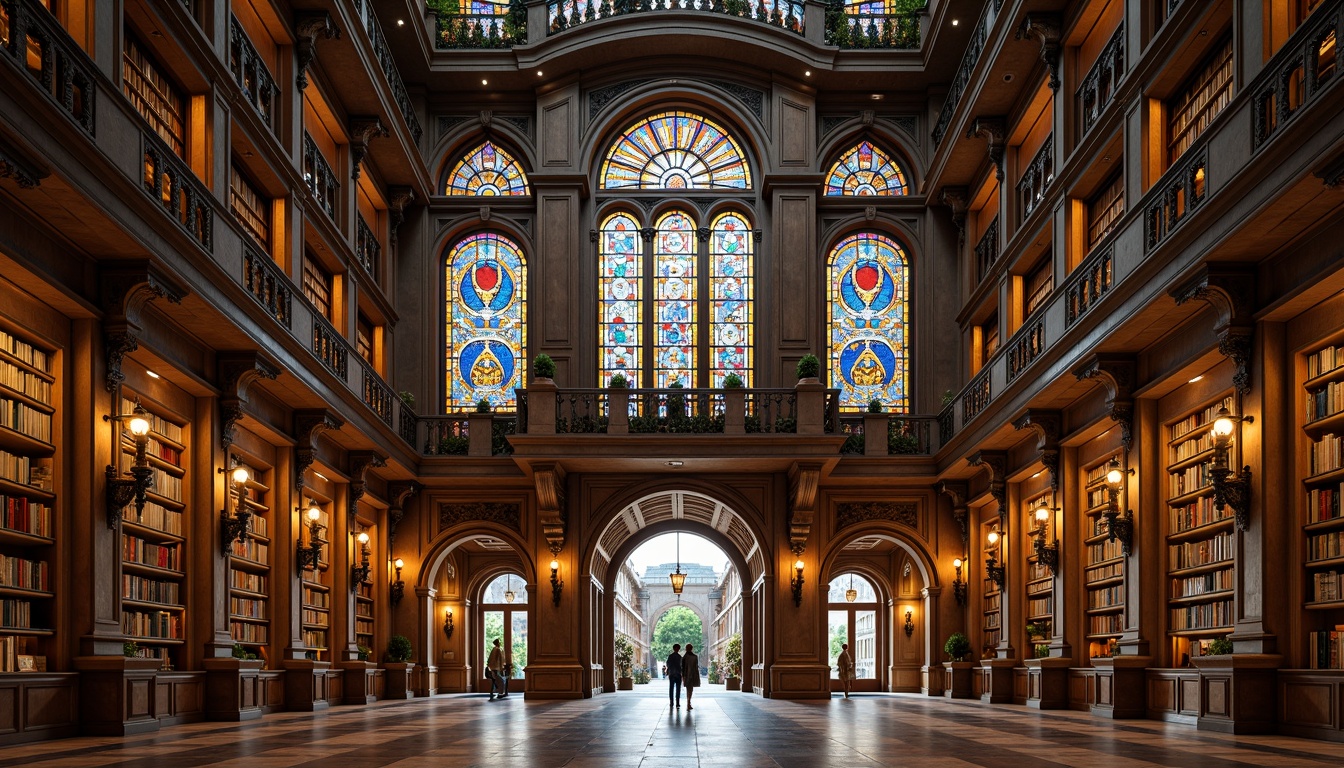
(1098, 88)
(177, 190)
(389, 66)
(963, 77)
(252, 74)
(566, 14)
(32, 38)
(367, 247)
(319, 177)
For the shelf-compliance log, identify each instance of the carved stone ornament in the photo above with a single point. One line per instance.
(549, 480)
(236, 372)
(870, 212)
(486, 117)
(958, 492)
(958, 199)
(994, 129)
(1117, 374)
(363, 129)
(804, 483)
(997, 464)
(1230, 290)
(398, 200)
(308, 424)
(867, 117)
(13, 165)
(905, 513)
(507, 515)
(1045, 28)
(1047, 426)
(126, 288)
(308, 27)
(484, 213)
(397, 496)
(360, 464)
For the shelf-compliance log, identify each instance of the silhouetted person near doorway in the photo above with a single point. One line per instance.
(494, 667)
(674, 677)
(846, 664)
(690, 673)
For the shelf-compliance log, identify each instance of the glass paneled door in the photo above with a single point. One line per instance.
(854, 617)
(504, 607)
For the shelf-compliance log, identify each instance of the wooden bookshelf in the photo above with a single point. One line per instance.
(364, 603)
(1104, 572)
(992, 617)
(316, 603)
(250, 565)
(1040, 584)
(1322, 370)
(1201, 542)
(28, 512)
(153, 558)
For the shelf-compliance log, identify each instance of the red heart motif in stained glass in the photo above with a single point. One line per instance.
(487, 277)
(865, 277)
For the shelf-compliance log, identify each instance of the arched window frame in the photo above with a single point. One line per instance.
(851, 319)
(462, 162)
(849, 159)
(510, 328)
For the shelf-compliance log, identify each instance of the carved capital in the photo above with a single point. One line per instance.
(14, 165)
(647, 233)
(549, 480)
(363, 129)
(994, 129)
(398, 200)
(1046, 28)
(126, 287)
(397, 496)
(236, 371)
(804, 484)
(958, 199)
(702, 234)
(1047, 426)
(1117, 373)
(309, 26)
(1230, 290)
(593, 235)
(997, 464)
(308, 424)
(485, 117)
(360, 464)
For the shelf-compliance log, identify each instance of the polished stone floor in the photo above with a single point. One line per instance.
(638, 730)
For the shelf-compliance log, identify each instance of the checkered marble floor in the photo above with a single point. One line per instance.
(638, 730)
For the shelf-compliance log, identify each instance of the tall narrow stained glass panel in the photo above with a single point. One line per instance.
(866, 170)
(674, 308)
(868, 315)
(732, 305)
(675, 150)
(486, 331)
(487, 171)
(620, 299)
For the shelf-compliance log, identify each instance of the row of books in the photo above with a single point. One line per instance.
(22, 573)
(1040, 606)
(1106, 624)
(16, 614)
(247, 608)
(364, 626)
(156, 624)
(16, 468)
(314, 617)
(20, 513)
(1102, 551)
(364, 609)
(150, 590)
(1097, 497)
(1326, 401)
(257, 524)
(1326, 648)
(16, 655)
(1104, 572)
(166, 485)
(316, 598)
(156, 422)
(252, 582)
(25, 352)
(313, 638)
(1098, 473)
(1326, 586)
(251, 549)
(1204, 583)
(1327, 455)
(1196, 420)
(247, 632)
(1096, 526)
(163, 451)
(1192, 447)
(1197, 513)
(1191, 479)
(991, 621)
(1106, 596)
(1202, 616)
(155, 516)
(138, 550)
(1324, 361)
(1324, 546)
(28, 383)
(1037, 570)
(992, 602)
(22, 417)
(1040, 587)
(1214, 549)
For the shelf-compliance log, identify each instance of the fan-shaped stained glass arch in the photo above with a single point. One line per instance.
(865, 170)
(732, 305)
(868, 315)
(488, 171)
(675, 150)
(486, 331)
(621, 299)
(675, 308)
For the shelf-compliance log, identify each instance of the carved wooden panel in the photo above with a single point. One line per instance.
(555, 134)
(1311, 704)
(795, 134)
(852, 513)
(508, 515)
(559, 261)
(795, 250)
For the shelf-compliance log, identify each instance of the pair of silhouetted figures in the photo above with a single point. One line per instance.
(682, 670)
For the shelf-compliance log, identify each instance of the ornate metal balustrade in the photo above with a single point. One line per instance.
(566, 14)
(1306, 66)
(447, 435)
(773, 411)
(1182, 189)
(269, 286)
(1025, 346)
(367, 247)
(252, 75)
(32, 38)
(906, 435)
(377, 395)
(987, 250)
(183, 197)
(976, 397)
(1090, 282)
(389, 66)
(1036, 177)
(408, 424)
(1098, 88)
(963, 77)
(330, 347)
(317, 174)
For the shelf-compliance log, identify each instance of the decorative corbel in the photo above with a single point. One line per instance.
(1047, 426)
(360, 464)
(997, 464)
(959, 492)
(486, 117)
(397, 496)
(702, 234)
(308, 27)
(549, 479)
(1117, 374)
(804, 483)
(127, 287)
(1046, 29)
(363, 129)
(237, 371)
(1230, 290)
(957, 198)
(14, 165)
(398, 199)
(647, 234)
(308, 424)
(994, 129)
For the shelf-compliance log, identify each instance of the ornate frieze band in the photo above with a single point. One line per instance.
(853, 513)
(499, 513)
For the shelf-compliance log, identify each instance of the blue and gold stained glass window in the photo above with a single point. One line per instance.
(868, 318)
(674, 309)
(486, 314)
(865, 170)
(488, 171)
(675, 150)
(731, 309)
(620, 299)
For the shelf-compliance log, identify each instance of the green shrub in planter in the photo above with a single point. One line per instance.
(483, 405)
(732, 381)
(130, 649)
(641, 676)
(241, 652)
(957, 647)
(618, 382)
(1220, 646)
(399, 649)
(875, 406)
(364, 652)
(809, 367)
(543, 367)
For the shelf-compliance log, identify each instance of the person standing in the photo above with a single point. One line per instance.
(690, 673)
(674, 677)
(846, 664)
(494, 668)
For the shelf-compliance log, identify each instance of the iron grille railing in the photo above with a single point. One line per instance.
(377, 395)
(367, 247)
(1302, 69)
(1036, 177)
(1091, 282)
(330, 346)
(182, 196)
(1098, 88)
(963, 77)
(37, 43)
(389, 66)
(251, 74)
(269, 286)
(987, 250)
(317, 174)
(1183, 189)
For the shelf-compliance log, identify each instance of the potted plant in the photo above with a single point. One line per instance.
(399, 668)
(625, 656)
(1036, 632)
(808, 368)
(957, 670)
(543, 367)
(734, 405)
(618, 405)
(732, 661)
(641, 676)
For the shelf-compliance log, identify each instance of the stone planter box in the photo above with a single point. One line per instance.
(233, 690)
(399, 680)
(958, 679)
(625, 684)
(732, 684)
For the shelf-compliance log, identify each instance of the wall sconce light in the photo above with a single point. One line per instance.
(398, 586)
(1046, 554)
(309, 556)
(359, 574)
(557, 585)
(448, 623)
(121, 491)
(993, 571)
(909, 622)
(1230, 489)
(1118, 527)
(796, 583)
(234, 527)
(958, 586)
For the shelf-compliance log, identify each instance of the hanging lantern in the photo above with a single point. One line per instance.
(678, 579)
(851, 594)
(509, 596)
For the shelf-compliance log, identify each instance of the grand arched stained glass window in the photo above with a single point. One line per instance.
(865, 170)
(869, 308)
(486, 331)
(732, 307)
(675, 150)
(620, 299)
(489, 171)
(675, 307)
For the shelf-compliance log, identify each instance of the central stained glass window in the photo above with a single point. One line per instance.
(865, 170)
(675, 150)
(486, 333)
(869, 310)
(488, 171)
